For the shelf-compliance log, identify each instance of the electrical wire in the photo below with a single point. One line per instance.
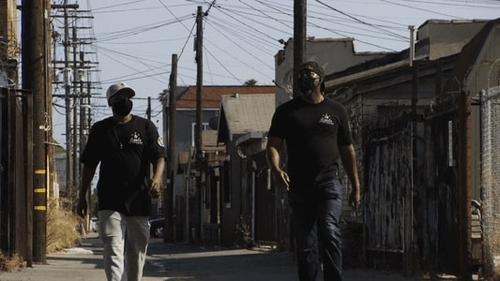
(131, 67)
(187, 40)
(359, 20)
(143, 42)
(247, 35)
(117, 5)
(109, 36)
(222, 65)
(420, 9)
(246, 24)
(241, 48)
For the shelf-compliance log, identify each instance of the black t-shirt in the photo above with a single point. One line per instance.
(125, 152)
(313, 134)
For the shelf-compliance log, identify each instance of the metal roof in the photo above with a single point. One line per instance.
(242, 114)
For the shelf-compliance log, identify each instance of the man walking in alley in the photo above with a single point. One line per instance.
(125, 145)
(317, 133)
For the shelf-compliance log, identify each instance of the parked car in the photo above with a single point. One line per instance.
(157, 227)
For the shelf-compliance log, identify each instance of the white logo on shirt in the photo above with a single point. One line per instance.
(160, 142)
(135, 138)
(326, 119)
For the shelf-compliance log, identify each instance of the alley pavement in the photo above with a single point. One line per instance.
(180, 262)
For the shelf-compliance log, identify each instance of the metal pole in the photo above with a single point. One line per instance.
(171, 157)
(83, 129)
(88, 116)
(299, 39)
(199, 113)
(75, 130)
(34, 78)
(412, 44)
(67, 100)
(148, 110)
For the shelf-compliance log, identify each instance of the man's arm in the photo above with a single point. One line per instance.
(273, 150)
(348, 155)
(155, 182)
(87, 176)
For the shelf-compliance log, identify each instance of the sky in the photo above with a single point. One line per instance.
(136, 39)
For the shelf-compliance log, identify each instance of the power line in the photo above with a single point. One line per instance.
(454, 4)
(359, 20)
(137, 58)
(117, 5)
(134, 74)
(261, 46)
(170, 11)
(143, 42)
(241, 48)
(137, 9)
(222, 65)
(245, 24)
(420, 9)
(109, 36)
(240, 30)
(331, 30)
(131, 67)
(187, 40)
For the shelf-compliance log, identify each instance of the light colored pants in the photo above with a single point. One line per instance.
(125, 243)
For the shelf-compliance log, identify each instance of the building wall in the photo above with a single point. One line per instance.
(484, 74)
(333, 55)
(448, 37)
(183, 136)
(8, 29)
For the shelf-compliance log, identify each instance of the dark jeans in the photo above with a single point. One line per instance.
(316, 216)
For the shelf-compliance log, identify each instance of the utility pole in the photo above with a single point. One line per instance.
(67, 100)
(148, 111)
(199, 113)
(171, 155)
(83, 109)
(83, 131)
(299, 39)
(74, 130)
(34, 78)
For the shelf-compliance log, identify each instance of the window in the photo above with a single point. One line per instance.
(204, 126)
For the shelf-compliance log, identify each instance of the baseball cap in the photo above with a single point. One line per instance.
(315, 67)
(121, 88)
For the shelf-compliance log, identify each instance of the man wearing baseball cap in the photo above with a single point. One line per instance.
(125, 145)
(317, 135)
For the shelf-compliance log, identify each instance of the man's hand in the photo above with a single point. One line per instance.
(281, 177)
(355, 198)
(81, 207)
(154, 187)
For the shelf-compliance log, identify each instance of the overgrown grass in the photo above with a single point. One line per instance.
(62, 225)
(11, 264)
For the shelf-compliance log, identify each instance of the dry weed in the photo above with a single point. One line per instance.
(61, 228)
(11, 264)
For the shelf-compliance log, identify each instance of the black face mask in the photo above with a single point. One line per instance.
(306, 85)
(122, 108)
